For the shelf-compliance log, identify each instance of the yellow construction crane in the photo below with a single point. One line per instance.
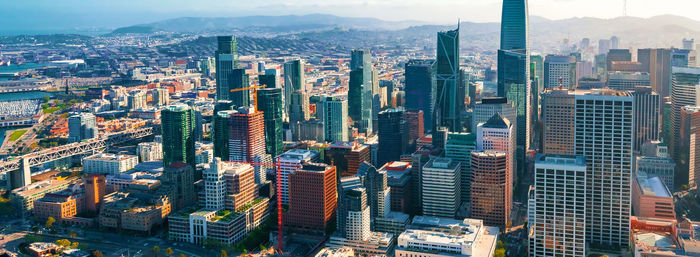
(255, 93)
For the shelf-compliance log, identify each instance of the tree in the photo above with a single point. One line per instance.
(245, 252)
(74, 245)
(50, 221)
(72, 234)
(63, 242)
(500, 253)
(182, 255)
(156, 250)
(169, 251)
(96, 253)
(223, 253)
(32, 238)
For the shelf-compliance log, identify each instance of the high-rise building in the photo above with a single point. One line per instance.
(247, 135)
(603, 46)
(375, 183)
(558, 229)
(647, 112)
(497, 135)
(291, 161)
(270, 103)
(313, 197)
(513, 83)
(178, 134)
(440, 187)
(617, 55)
(609, 162)
(687, 157)
(421, 89)
(180, 176)
(393, 136)
(688, 44)
(293, 80)
(226, 61)
(136, 100)
(659, 166)
(347, 157)
(360, 93)
(514, 25)
(538, 62)
(684, 91)
(448, 106)
(416, 127)
(221, 133)
(82, 126)
(657, 62)
(491, 190)
(161, 97)
(94, 191)
(558, 109)
(614, 42)
(458, 147)
(353, 211)
(239, 79)
(298, 111)
(335, 119)
(623, 80)
(560, 71)
(488, 106)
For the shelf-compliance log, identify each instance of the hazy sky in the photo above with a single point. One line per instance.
(114, 13)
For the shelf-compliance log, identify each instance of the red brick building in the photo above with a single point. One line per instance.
(247, 135)
(313, 197)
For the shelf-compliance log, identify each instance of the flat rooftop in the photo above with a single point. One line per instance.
(652, 186)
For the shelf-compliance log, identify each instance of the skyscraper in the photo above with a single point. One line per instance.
(491, 193)
(313, 197)
(558, 229)
(298, 111)
(687, 157)
(497, 135)
(416, 127)
(353, 211)
(558, 109)
(291, 161)
(513, 83)
(94, 191)
(239, 79)
(247, 135)
(448, 106)
(360, 93)
(458, 147)
(647, 112)
(375, 182)
(226, 61)
(514, 25)
(421, 89)
(393, 136)
(609, 162)
(614, 42)
(270, 103)
(684, 89)
(221, 133)
(82, 126)
(293, 80)
(623, 80)
(335, 119)
(440, 187)
(178, 134)
(180, 177)
(488, 106)
(658, 63)
(560, 70)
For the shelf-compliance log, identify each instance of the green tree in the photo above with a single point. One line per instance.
(63, 242)
(169, 251)
(74, 245)
(96, 253)
(500, 253)
(32, 238)
(156, 250)
(223, 253)
(50, 221)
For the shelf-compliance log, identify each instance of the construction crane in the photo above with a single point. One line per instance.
(255, 93)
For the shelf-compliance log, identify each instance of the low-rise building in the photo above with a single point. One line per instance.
(435, 237)
(112, 164)
(61, 205)
(651, 198)
(149, 151)
(134, 211)
(24, 197)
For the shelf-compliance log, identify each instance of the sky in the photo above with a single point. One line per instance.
(55, 14)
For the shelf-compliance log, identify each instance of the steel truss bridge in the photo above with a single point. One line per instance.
(78, 148)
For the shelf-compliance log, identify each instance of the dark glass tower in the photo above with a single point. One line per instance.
(269, 80)
(239, 79)
(447, 107)
(270, 103)
(226, 61)
(421, 88)
(178, 135)
(293, 80)
(393, 136)
(514, 25)
(360, 93)
(221, 133)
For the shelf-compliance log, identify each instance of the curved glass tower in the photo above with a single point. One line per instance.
(514, 25)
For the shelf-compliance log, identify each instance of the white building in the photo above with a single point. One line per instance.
(441, 188)
(291, 161)
(335, 119)
(559, 179)
(497, 134)
(485, 109)
(438, 237)
(111, 164)
(560, 70)
(149, 151)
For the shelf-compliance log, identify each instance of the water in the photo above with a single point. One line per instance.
(18, 68)
(24, 95)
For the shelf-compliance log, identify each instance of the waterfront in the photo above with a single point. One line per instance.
(24, 95)
(22, 67)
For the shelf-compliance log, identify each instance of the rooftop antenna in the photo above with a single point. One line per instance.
(624, 8)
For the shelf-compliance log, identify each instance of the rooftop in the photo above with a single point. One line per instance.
(652, 186)
(558, 159)
(110, 157)
(298, 154)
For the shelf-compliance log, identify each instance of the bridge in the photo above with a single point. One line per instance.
(72, 149)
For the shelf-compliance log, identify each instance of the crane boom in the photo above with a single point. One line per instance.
(255, 93)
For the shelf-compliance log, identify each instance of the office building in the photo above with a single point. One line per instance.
(361, 93)
(291, 161)
(659, 166)
(134, 211)
(393, 135)
(293, 80)
(178, 135)
(497, 135)
(617, 55)
(347, 157)
(161, 97)
(311, 130)
(488, 106)
(82, 126)
(458, 147)
(560, 71)
(24, 197)
(353, 211)
(558, 109)
(421, 89)
(441, 237)
(622, 80)
(513, 83)
(651, 198)
(298, 111)
(149, 151)
(136, 100)
(180, 176)
(239, 79)
(558, 217)
(448, 105)
(312, 197)
(657, 62)
(247, 138)
(221, 133)
(603, 46)
(399, 180)
(647, 112)
(491, 190)
(270, 104)
(687, 159)
(94, 191)
(226, 56)
(62, 206)
(109, 164)
(416, 125)
(440, 187)
(614, 42)
(684, 91)
(609, 162)
(335, 119)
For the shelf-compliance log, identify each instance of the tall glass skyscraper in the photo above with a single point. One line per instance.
(270, 103)
(421, 89)
(360, 93)
(514, 25)
(178, 135)
(293, 80)
(239, 79)
(226, 61)
(335, 117)
(448, 81)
